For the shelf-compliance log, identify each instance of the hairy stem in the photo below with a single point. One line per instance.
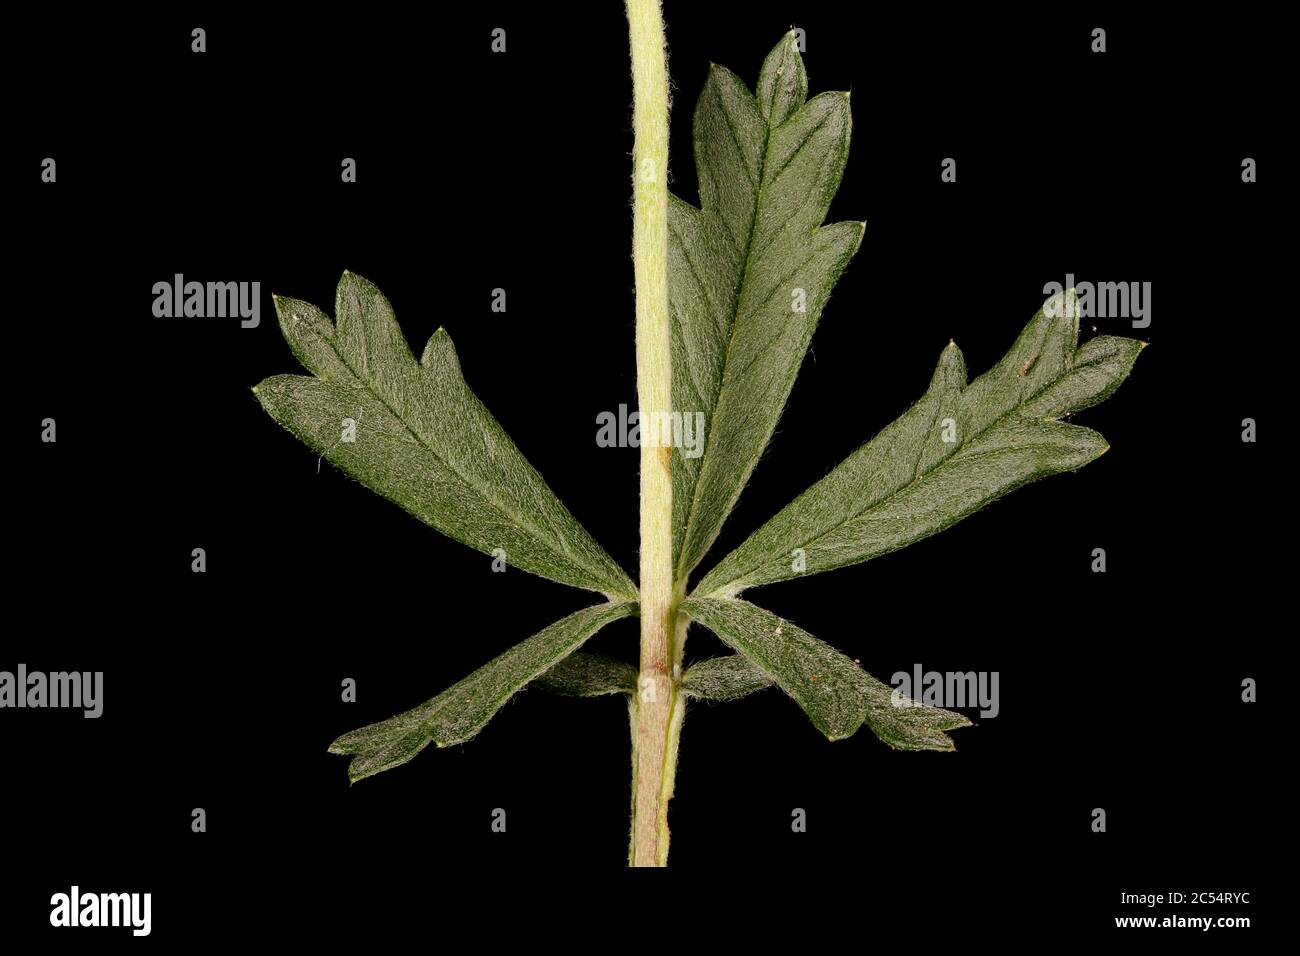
(656, 707)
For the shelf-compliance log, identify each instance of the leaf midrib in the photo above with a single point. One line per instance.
(495, 505)
(718, 592)
(681, 571)
(423, 722)
(582, 626)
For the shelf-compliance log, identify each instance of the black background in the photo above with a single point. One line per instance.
(478, 171)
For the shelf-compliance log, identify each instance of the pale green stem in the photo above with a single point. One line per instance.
(656, 707)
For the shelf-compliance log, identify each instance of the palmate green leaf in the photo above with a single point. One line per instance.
(910, 482)
(748, 275)
(724, 678)
(460, 712)
(589, 675)
(835, 693)
(421, 438)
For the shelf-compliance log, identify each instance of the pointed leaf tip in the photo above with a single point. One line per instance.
(420, 437)
(959, 448)
(460, 712)
(782, 82)
(768, 166)
(440, 353)
(837, 695)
